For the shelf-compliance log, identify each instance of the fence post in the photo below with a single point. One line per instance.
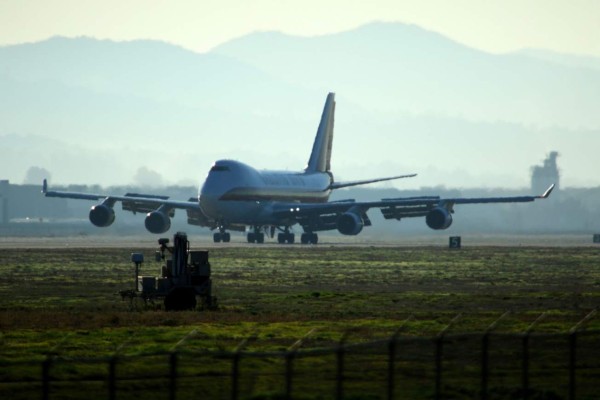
(572, 363)
(439, 348)
(339, 392)
(340, 353)
(525, 376)
(573, 353)
(47, 363)
(173, 363)
(46, 377)
(112, 368)
(525, 366)
(112, 383)
(392, 358)
(235, 366)
(484, 364)
(391, 367)
(234, 375)
(485, 355)
(289, 363)
(173, 375)
(289, 372)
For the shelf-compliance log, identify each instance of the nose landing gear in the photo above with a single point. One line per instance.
(222, 235)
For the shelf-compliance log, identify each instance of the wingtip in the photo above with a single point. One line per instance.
(547, 192)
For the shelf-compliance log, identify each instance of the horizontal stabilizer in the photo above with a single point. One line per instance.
(337, 185)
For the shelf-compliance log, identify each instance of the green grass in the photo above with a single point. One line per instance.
(335, 285)
(65, 302)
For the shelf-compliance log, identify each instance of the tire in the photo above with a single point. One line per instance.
(291, 238)
(226, 237)
(305, 238)
(260, 238)
(281, 238)
(217, 237)
(251, 237)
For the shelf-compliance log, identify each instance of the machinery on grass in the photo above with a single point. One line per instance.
(183, 278)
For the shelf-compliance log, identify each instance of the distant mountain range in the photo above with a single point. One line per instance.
(569, 60)
(94, 111)
(403, 68)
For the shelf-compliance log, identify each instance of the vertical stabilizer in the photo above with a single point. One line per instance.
(320, 157)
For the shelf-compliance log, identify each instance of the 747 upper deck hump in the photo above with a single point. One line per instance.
(236, 196)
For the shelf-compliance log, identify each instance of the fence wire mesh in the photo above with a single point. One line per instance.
(475, 365)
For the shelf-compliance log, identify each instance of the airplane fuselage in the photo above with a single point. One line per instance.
(234, 191)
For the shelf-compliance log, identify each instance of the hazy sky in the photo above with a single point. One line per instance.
(497, 26)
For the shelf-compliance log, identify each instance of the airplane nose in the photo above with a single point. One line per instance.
(208, 204)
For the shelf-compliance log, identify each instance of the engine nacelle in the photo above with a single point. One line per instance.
(157, 222)
(349, 224)
(102, 215)
(438, 218)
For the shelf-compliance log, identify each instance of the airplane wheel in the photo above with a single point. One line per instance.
(285, 238)
(251, 237)
(226, 237)
(217, 237)
(260, 238)
(307, 238)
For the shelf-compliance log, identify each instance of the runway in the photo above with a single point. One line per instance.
(239, 240)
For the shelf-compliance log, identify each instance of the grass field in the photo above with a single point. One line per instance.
(64, 301)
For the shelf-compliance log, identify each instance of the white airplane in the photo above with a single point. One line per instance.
(235, 196)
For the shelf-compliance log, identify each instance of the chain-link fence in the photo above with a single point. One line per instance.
(485, 365)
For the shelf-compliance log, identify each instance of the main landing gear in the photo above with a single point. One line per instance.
(256, 236)
(222, 236)
(286, 236)
(306, 238)
(309, 237)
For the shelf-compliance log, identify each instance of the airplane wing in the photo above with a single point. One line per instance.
(159, 209)
(350, 216)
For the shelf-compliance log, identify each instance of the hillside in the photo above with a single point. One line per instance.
(406, 69)
(409, 100)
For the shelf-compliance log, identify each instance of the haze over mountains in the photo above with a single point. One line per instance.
(408, 100)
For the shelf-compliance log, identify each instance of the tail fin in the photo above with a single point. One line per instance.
(320, 157)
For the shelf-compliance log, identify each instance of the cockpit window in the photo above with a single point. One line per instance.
(219, 168)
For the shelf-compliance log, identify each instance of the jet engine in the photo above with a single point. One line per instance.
(350, 223)
(438, 218)
(102, 215)
(157, 222)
